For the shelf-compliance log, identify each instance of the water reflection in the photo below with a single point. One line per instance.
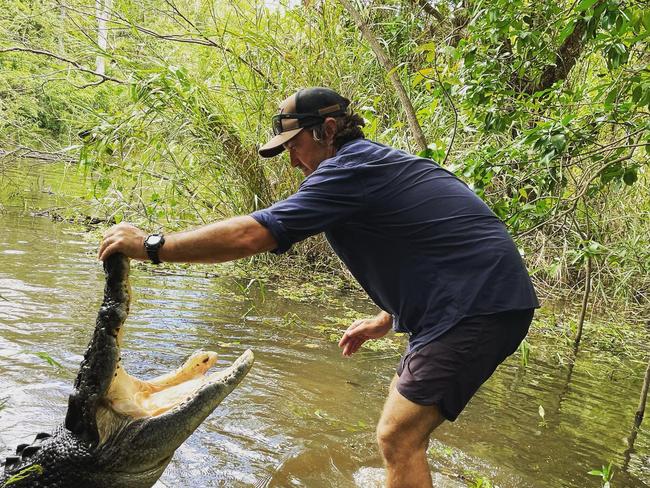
(304, 416)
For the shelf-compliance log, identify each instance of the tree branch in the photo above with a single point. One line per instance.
(202, 39)
(78, 66)
(430, 9)
(566, 57)
(388, 65)
(28, 153)
(579, 194)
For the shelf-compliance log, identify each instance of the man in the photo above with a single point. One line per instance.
(428, 251)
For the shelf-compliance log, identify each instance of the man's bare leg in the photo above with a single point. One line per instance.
(403, 435)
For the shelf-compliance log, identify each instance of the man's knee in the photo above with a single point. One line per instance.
(391, 445)
(399, 442)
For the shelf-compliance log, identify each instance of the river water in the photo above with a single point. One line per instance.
(304, 416)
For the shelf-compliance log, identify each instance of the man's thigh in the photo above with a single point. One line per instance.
(448, 371)
(411, 422)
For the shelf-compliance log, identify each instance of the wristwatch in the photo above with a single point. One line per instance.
(152, 245)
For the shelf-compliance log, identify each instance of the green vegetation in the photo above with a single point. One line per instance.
(157, 107)
(151, 111)
(48, 359)
(23, 474)
(606, 474)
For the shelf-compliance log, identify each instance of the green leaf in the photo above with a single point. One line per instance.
(427, 47)
(645, 20)
(24, 474)
(558, 141)
(584, 5)
(630, 176)
(567, 31)
(48, 359)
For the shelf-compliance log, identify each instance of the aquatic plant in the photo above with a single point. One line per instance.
(23, 474)
(606, 474)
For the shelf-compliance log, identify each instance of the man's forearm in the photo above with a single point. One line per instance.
(229, 239)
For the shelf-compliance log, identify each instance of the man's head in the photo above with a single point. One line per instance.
(312, 124)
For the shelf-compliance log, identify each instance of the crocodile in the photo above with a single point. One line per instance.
(120, 431)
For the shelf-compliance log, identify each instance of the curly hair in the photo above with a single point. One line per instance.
(348, 128)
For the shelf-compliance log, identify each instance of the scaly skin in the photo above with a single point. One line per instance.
(101, 444)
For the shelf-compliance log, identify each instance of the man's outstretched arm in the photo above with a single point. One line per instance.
(234, 238)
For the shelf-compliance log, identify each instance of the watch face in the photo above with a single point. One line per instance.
(153, 240)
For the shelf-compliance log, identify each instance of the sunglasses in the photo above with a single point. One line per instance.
(304, 120)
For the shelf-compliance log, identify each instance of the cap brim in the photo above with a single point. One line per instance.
(275, 145)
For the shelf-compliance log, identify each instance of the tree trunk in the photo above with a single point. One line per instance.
(566, 57)
(103, 12)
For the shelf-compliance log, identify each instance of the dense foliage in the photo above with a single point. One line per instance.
(542, 107)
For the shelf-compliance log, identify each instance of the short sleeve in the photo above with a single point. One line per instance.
(329, 196)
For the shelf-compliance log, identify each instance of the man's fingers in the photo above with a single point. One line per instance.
(124, 238)
(102, 247)
(351, 336)
(351, 349)
(353, 346)
(354, 337)
(107, 251)
(115, 228)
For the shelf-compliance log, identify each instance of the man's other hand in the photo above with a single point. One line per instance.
(124, 238)
(362, 330)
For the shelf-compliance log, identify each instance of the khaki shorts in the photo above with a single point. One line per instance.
(448, 370)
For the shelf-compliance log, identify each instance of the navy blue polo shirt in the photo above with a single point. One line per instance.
(420, 242)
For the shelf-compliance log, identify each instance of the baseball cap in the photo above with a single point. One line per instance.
(305, 108)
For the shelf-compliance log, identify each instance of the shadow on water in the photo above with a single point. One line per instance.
(304, 416)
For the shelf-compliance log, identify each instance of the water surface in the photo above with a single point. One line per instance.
(304, 416)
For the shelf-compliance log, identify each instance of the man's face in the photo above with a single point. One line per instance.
(305, 153)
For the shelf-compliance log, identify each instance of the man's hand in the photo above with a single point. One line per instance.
(362, 330)
(124, 238)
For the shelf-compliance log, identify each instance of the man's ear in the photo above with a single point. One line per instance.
(330, 129)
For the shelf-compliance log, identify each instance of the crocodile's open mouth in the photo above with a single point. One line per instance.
(136, 398)
(165, 409)
(173, 404)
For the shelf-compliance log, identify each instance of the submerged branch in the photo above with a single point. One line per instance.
(583, 308)
(640, 411)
